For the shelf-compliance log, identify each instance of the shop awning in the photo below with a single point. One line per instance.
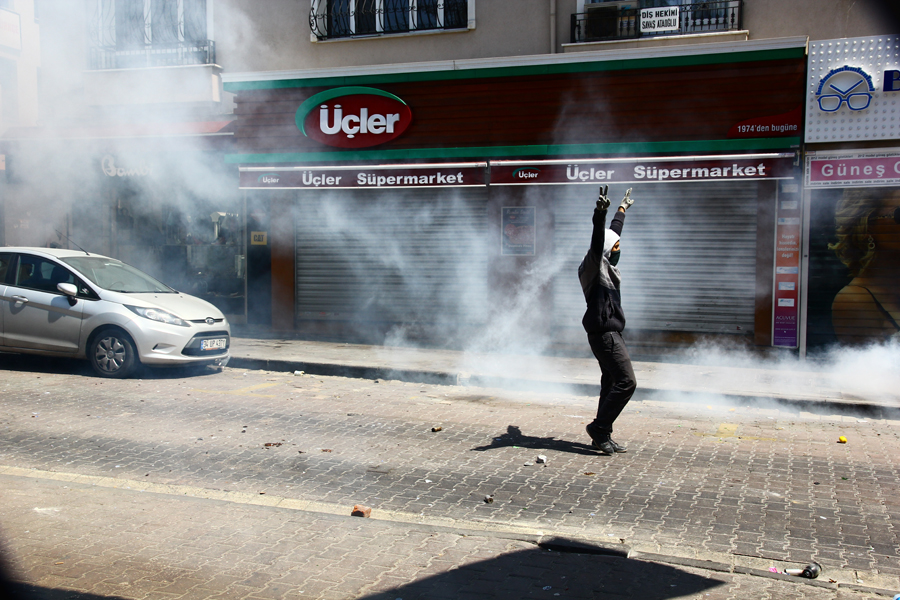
(853, 168)
(355, 177)
(656, 169)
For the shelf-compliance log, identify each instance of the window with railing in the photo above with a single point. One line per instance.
(150, 33)
(329, 19)
(620, 19)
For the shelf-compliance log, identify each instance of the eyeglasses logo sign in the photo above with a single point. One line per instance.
(353, 117)
(845, 85)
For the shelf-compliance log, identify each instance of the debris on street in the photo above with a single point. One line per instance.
(810, 571)
(842, 440)
(541, 459)
(437, 428)
(361, 511)
(529, 464)
(272, 444)
(326, 449)
(298, 373)
(489, 499)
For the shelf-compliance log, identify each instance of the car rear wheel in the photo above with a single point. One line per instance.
(112, 354)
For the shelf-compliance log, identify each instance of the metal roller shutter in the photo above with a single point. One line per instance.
(688, 256)
(404, 256)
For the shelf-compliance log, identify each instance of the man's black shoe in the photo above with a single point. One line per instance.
(600, 439)
(618, 447)
(606, 447)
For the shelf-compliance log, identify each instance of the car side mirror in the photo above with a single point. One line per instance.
(69, 290)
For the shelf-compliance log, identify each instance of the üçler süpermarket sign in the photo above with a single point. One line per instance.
(353, 117)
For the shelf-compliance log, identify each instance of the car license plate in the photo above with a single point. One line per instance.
(213, 344)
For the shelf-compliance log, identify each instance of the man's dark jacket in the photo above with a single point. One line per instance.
(600, 280)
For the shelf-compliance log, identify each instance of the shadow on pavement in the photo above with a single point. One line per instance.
(15, 590)
(23, 591)
(69, 366)
(43, 364)
(546, 574)
(515, 437)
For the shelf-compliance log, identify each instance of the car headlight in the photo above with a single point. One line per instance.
(155, 314)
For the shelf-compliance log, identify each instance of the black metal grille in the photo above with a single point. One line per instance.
(135, 34)
(154, 56)
(346, 18)
(609, 22)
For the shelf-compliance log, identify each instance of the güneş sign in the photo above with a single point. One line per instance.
(353, 117)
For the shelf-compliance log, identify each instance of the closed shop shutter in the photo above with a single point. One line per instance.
(403, 256)
(688, 255)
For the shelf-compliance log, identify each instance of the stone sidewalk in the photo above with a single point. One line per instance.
(700, 376)
(86, 540)
(736, 490)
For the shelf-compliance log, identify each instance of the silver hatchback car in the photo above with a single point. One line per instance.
(70, 303)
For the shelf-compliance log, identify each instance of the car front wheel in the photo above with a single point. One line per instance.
(112, 354)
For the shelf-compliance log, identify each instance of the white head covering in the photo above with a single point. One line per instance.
(610, 238)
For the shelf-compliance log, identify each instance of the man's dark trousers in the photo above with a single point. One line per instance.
(618, 382)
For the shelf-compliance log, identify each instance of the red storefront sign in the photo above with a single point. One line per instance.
(364, 177)
(569, 104)
(353, 117)
(789, 123)
(853, 170)
(638, 170)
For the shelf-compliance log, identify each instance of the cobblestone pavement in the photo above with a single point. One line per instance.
(746, 488)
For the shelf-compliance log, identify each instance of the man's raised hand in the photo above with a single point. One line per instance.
(627, 201)
(603, 202)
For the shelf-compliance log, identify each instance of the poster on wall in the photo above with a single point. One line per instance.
(786, 309)
(854, 266)
(517, 227)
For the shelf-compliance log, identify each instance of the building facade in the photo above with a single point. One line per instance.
(852, 192)
(459, 200)
(20, 65)
(392, 170)
(126, 157)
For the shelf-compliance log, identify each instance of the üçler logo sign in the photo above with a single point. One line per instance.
(353, 117)
(527, 173)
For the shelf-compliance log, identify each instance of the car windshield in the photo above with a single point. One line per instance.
(116, 276)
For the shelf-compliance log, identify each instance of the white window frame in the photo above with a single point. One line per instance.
(110, 14)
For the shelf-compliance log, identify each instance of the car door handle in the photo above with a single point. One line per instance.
(21, 299)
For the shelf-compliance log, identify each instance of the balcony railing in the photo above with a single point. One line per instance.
(604, 22)
(158, 55)
(330, 19)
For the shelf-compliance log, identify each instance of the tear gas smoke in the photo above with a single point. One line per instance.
(417, 269)
(711, 373)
